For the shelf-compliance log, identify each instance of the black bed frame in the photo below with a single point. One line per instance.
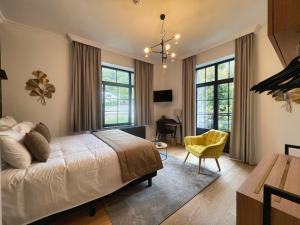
(91, 206)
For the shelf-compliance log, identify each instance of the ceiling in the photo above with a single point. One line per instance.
(128, 28)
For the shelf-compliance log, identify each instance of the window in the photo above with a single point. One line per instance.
(214, 86)
(117, 97)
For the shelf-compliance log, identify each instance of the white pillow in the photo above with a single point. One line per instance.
(13, 134)
(7, 122)
(14, 153)
(23, 127)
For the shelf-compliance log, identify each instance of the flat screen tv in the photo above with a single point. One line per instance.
(162, 96)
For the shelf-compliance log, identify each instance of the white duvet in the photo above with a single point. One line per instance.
(80, 168)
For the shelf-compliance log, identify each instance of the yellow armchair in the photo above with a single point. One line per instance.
(208, 145)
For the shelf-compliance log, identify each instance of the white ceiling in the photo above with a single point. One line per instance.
(128, 28)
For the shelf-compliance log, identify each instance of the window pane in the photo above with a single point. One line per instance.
(123, 93)
(230, 106)
(132, 93)
(223, 91)
(223, 106)
(132, 112)
(200, 76)
(201, 107)
(111, 91)
(108, 74)
(118, 99)
(231, 90)
(209, 107)
(201, 93)
(230, 123)
(231, 72)
(200, 121)
(123, 106)
(209, 122)
(111, 118)
(223, 71)
(111, 105)
(132, 79)
(205, 93)
(223, 122)
(210, 74)
(123, 118)
(122, 77)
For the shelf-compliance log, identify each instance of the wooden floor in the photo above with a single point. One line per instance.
(213, 206)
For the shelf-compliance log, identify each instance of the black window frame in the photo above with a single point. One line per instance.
(130, 86)
(215, 85)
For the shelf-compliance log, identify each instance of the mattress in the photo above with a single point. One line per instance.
(80, 168)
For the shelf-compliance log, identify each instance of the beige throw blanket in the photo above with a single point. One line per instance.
(137, 156)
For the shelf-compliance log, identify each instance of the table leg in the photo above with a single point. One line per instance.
(180, 127)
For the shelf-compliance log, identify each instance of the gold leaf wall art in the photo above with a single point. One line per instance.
(40, 86)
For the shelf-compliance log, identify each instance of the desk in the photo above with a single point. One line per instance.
(176, 126)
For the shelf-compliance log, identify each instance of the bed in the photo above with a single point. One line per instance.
(80, 169)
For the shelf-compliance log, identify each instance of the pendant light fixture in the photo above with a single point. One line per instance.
(163, 48)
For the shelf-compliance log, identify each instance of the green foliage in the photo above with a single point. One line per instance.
(122, 77)
(200, 76)
(109, 75)
(210, 74)
(223, 71)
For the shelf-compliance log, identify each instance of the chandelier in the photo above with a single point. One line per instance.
(163, 48)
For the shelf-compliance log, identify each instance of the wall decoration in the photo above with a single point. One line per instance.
(40, 86)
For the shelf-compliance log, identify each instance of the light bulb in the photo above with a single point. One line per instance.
(165, 66)
(168, 46)
(177, 36)
(173, 55)
(146, 56)
(147, 50)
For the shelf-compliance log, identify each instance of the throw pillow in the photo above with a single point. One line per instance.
(7, 122)
(14, 153)
(43, 130)
(37, 145)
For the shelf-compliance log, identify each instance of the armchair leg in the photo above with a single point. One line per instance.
(186, 156)
(199, 165)
(218, 164)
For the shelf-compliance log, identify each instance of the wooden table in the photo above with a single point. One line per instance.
(276, 170)
(176, 126)
(161, 146)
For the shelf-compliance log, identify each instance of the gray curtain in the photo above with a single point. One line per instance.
(189, 95)
(242, 142)
(143, 73)
(86, 87)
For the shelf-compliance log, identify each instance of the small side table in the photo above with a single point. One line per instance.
(162, 146)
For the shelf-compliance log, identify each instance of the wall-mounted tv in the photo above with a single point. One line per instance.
(162, 96)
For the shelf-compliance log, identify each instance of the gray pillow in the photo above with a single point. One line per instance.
(37, 145)
(43, 130)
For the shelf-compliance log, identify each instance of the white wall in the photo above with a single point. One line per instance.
(25, 49)
(274, 127)
(116, 59)
(217, 53)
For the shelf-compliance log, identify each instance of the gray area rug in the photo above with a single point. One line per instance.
(174, 186)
